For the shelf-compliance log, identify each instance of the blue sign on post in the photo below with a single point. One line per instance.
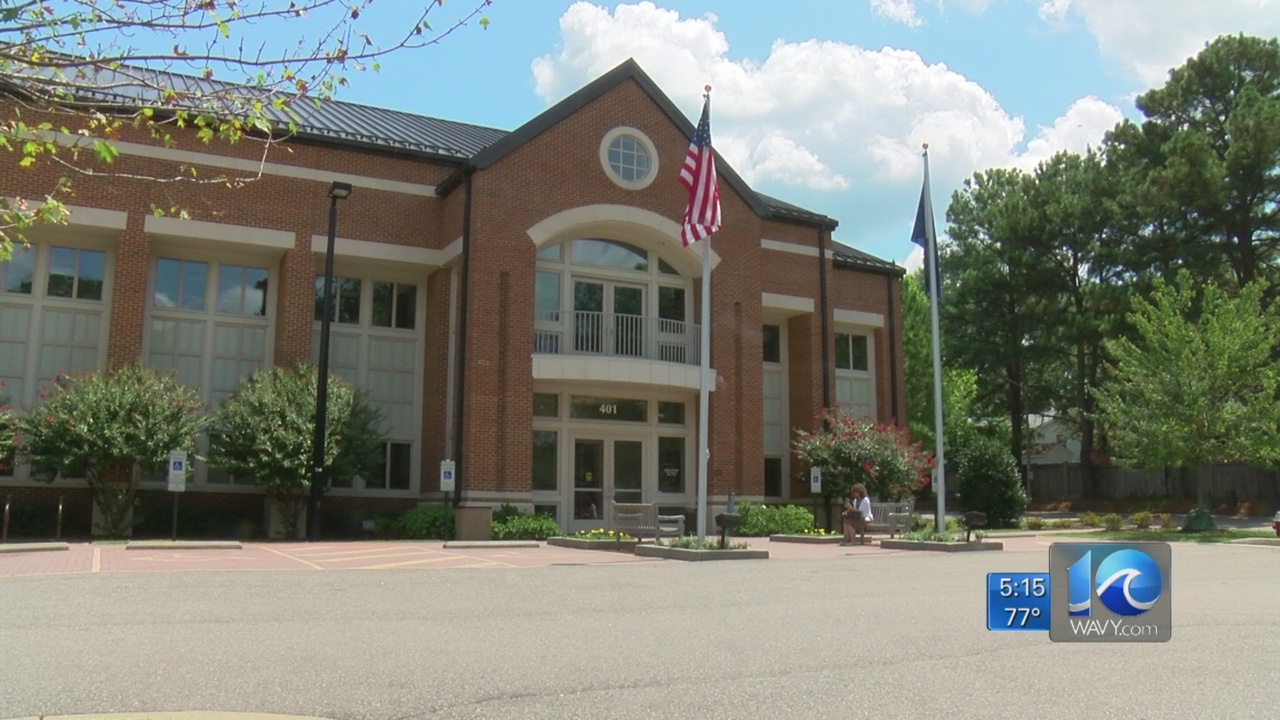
(447, 480)
(178, 471)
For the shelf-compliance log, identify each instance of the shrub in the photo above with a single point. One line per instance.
(850, 450)
(1112, 521)
(1090, 520)
(525, 527)
(1035, 523)
(1062, 523)
(265, 429)
(505, 511)
(989, 481)
(425, 522)
(761, 520)
(103, 426)
(1141, 520)
(1166, 521)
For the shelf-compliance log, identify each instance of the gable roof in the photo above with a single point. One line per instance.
(853, 259)
(764, 206)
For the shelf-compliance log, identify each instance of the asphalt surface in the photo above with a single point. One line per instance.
(883, 636)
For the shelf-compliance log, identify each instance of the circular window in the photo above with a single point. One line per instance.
(629, 158)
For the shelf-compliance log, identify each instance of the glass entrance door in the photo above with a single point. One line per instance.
(605, 471)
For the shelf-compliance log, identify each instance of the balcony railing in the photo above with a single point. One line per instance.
(602, 334)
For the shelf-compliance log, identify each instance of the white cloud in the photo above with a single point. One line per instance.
(812, 114)
(914, 259)
(903, 11)
(1149, 37)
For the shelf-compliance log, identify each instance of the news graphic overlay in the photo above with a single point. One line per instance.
(1018, 602)
(1110, 592)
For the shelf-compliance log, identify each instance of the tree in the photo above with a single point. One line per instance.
(990, 482)
(264, 431)
(1204, 164)
(111, 428)
(73, 87)
(994, 304)
(1195, 389)
(959, 385)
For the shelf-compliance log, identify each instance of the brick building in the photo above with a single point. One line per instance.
(517, 302)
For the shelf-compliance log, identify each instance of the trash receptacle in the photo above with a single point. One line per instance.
(473, 521)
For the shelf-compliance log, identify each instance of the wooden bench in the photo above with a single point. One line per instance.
(891, 517)
(641, 520)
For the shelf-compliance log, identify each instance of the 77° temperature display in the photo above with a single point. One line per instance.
(1018, 602)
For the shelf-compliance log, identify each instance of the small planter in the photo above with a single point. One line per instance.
(972, 546)
(808, 539)
(688, 554)
(589, 544)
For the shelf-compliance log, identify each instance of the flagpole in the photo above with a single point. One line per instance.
(932, 280)
(704, 390)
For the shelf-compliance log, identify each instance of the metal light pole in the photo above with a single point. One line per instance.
(338, 191)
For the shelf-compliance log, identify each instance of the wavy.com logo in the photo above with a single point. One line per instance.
(1113, 592)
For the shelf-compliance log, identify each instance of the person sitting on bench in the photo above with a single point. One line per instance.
(856, 515)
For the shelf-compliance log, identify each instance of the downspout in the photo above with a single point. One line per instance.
(460, 476)
(893, 349)
(826, 330)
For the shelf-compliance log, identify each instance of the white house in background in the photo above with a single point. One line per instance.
(1052, 442)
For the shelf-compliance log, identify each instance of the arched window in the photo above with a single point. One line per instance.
(603, 296)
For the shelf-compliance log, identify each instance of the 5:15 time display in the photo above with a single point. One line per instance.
(1018, 602)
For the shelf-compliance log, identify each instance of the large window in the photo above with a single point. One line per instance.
(375, 343)
(855, 380)
(774, 411)
(53, 316)
(609, 297)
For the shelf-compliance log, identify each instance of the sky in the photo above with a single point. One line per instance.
(825, 103)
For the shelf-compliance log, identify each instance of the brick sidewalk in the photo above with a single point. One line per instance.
(328, 556)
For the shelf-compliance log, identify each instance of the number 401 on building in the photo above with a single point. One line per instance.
(1018, 602)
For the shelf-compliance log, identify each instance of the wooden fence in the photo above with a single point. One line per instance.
(1068, 481)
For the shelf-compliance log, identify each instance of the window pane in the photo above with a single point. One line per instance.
(546, 295)
(549, 253)
(255, 291)
(773, 344)
(858, 351)
(377, 477)
(383, 303)
(193, 285)
(406, 306)
(230, 289)
(843, 359)
(20, 270)
(348, 301)
(62, 272)
(400, 465)
(665, 268)
(546, 405)
(166, 292)
(773, 477)
(545, 466)
(671, 412)
(671, 303)
(592, 408)
(671, 465)
(92, 269)
(610, 253)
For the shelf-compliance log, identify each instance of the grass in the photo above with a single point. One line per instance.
(1211, 536)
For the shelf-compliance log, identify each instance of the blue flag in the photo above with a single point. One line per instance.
(925, 236)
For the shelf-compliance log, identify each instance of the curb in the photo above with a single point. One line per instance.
(7, 548)
(486, 544)
(183, 545)
(1260, 542)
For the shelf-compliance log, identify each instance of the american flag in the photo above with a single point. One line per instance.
(702, 214)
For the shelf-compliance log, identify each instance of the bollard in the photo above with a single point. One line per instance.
(58, 530)
(4, 533)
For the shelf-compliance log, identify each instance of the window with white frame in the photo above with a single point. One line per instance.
(53, 316)
(209, 322)
(855, 377)
(774, 392)
(375, 343)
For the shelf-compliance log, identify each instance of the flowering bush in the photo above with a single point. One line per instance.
(760, 520)
(109, 428)
(850, 450)
(265, 431)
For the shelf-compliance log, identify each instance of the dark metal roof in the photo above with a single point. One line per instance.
(393, 130)
(854, 259)
(332, 120)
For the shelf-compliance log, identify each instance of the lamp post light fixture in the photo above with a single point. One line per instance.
(337, 191)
